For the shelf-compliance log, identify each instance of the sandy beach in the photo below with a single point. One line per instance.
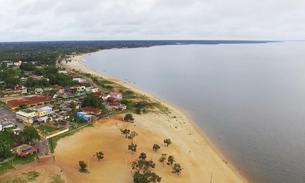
(199, 159)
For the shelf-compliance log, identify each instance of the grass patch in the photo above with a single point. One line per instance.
(5, 166)
(31, 176)
(57, 179)
(24, 160)
(17, 160)
(23, 178)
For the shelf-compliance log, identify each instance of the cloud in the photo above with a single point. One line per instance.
(30, 20)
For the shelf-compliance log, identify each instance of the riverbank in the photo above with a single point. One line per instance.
(199, 160)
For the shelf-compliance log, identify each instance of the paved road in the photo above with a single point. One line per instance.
(7, 115)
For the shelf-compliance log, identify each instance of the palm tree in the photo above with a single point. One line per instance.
(162, 158)
(142, 156)
(125, 132)
(132, 147)
(99, 155)
(170, 160)
(156, 147)
(167, 142)
(132, 135)
(177, 169)
(83, 166)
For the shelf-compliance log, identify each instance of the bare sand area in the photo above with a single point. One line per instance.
(46, 172)
(198, 158)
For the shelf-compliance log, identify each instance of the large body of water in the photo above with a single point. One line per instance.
(248, 99)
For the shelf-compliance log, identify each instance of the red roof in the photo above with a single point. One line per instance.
(111, 99)
(58, 86)
(91, 110)
(28, 100)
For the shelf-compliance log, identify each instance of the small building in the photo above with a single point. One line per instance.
(62, 72)
(24, 150)
(85, 116)
(25, 117)
(91, 110)
(38, 91)
(79, 80)
(116, 95)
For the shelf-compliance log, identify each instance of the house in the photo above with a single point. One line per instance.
(115, 95)
(63, 72)
(43, 119)
(80, 88)
(29, 101)
(101, 95)
(26, 116)
(38, 91)
(79, 80)
(60, 89)
(21, 88)
(85, 116)
(16, 91)
(36, 77)
(24, 150)
(91, 89)
(91, 110)
(17, 63)
(43, 111)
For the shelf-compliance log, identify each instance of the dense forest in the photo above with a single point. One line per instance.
(49, 51)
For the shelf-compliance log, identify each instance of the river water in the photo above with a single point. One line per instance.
(248, 99)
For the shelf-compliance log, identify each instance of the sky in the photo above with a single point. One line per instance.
(55, 20)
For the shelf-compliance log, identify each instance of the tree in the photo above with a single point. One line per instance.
(93, 101)
(5, 151)
(156, 147)
(23, 106)
(177, 169)
(146, 177)
(141, 165)
(128, 117)
(28, 134)
(132, 135)
(27, 66)
(142, 156)
(170, 160)
(83, 166)
(99, 155)
(125, 132)
(143, 173)
(162, 158)
(132, 147)
(167, 142)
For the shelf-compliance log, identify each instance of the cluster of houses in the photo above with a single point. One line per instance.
(40, 108)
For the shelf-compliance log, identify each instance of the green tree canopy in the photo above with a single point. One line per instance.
(93, 101)
(83, 166)
(128, 117)
(177, 169)
(132, 147)
(5, 151)
(125, 132)
(29, 66)
(156, 147)
(167, 142)
(99, 155)
(28, 134)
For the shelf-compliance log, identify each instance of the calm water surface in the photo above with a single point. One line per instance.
(248, 99)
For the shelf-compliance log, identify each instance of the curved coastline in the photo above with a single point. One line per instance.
(187, 128)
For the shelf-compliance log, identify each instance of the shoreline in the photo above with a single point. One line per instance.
(187, 128)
